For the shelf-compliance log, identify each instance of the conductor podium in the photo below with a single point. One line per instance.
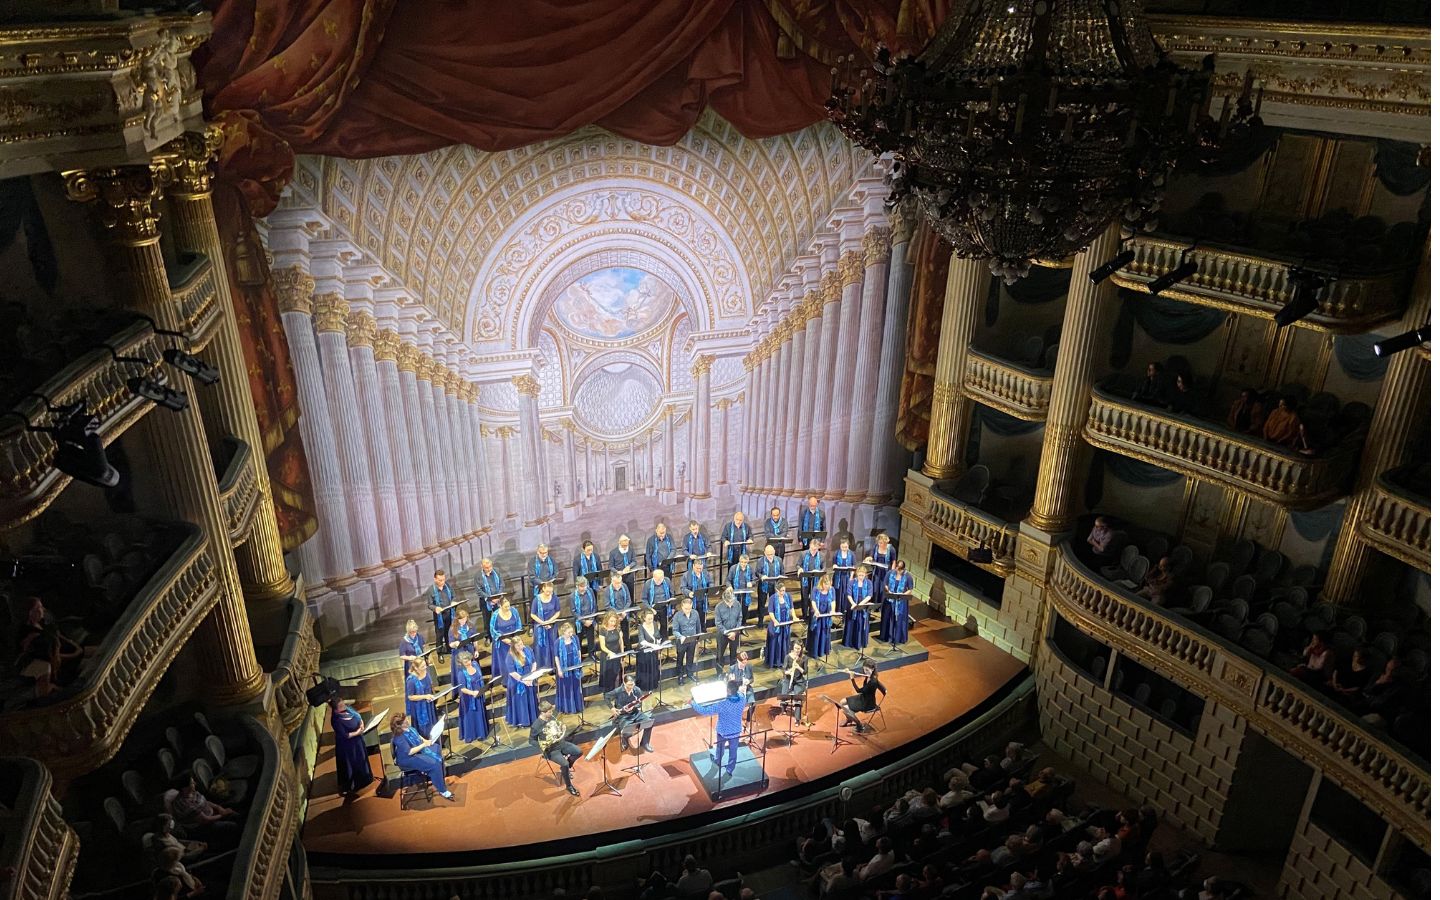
(749, 775)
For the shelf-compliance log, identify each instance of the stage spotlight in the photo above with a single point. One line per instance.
(159, 394)
(1304, 299)
(193, 366)
(1403, 341)
(1122, 259)
(79, 452)
(322, 691)
(1176, 275)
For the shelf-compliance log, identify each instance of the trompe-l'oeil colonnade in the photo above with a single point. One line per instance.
(826, 375)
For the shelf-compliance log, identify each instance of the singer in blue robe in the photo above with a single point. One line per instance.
(489, 584)
(771, 566)
(542, 569)
(623, 557)
(775, 525)
(569, 696)
(694, 584)
(438, 597)
(777, 627)
(582, 606)
(822, 601)
(857, 621)
(352, 762)
(696, 544)
(412, 646)
(504, 621)
(415, 752)
(653, 596)
(881, 558)
(734, 537)
(844, 566)
(587, 561)
(812, 517)
(895, 629)
(522, 705)
(812, 566)
(659, 549)
(619, 600)
(461, 640)
(420, 696)
(745, 582)
(474, 717)
(545, 618)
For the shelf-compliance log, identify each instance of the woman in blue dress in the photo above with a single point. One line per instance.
(412, 646)
(569, 696)
(352, 763)
(778, 618)
(857, 620)
(880, 560)
(895, 629)
(420, 696)
(544, 614)
(822, 604)
(504, 621)
(462, 640)
(416, 753)
(843, 568)
(474, 717)
(521, 703)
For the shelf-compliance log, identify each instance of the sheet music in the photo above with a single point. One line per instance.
(440, 695)
(378, 718)
(531, 678)
(438, 730)
(655, 648)
(708, 692)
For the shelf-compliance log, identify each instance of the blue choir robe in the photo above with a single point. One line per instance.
(587, 564)
(544, 634)
(777, 637)
(896, 627)
(410, 646)
(441, 597)
(812, 566)
(884, 558)
(465, 636)
(736, 536)
(817, 639)
(857, 621)
(843, 578)
(621, 560)
(522, 706)
(582, 604)
(653, 595)
(658, 552)
(487, 586)
(744, 579)
(569, 698)
(694, 585)
(474, 718)
(696, 544)
(620, 601)
(500, 653)
(776, 528)
(421, 712)
(812, 521)
(427, 761)
(769, 568)
(542, 570)
(352, 763)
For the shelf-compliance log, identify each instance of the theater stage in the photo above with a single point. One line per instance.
(509, 801)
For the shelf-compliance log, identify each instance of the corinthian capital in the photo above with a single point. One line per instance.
(876, 245)
(830, 286)
(192, 158)
(330, 311)
(407, 357)
(702, 366)
(127, 198)
(852, 267)
(526, 385)
(294, 290)
(387, 345)
(359, 329)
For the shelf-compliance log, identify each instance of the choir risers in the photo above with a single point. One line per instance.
(1396, 521)
(37, 847)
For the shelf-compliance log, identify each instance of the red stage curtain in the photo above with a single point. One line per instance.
(922, 335)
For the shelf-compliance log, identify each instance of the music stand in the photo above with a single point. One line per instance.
(638, 769)
(709, 593)
(894, 595)
(660, 689)
(807, 536)
(778, 542)
(599, 750)
(836, 739)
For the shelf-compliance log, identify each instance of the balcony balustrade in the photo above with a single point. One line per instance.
(1397, 521)
(960, 527)
(1013, 389)
(36, 844)
(239, 492)
(271, 822)
(193, 288)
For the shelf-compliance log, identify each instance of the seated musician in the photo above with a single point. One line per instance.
(549, 735)
(866, 685)
(630, 715)
(744, 673)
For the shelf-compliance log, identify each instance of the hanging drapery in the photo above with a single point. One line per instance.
(366, 78)
(1138, 474)
(1356, 355)
(1398, 166)
(995, 422)
(1318, 524)
(1167, 321)
(922, 335)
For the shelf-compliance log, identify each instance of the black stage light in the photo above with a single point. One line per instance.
(1304, 299)
(159, 394)
(193, 366)
(79, 451)
(1403, 341)
(1122, 259)
(323, 691)
(1176, 275)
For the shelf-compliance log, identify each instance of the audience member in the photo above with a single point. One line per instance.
(1158, 582)
(1348, 681)
(1182, 397)
(1101, 539)
(1282, 426)
(1318, 661)
(199, 817)
(1247, 414)
(1153, 389)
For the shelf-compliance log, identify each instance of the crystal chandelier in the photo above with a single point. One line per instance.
(1029, 126)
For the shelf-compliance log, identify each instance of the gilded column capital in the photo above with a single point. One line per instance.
(852, 267)
(387, 345)
(127, 198)
(294, 290)
(813, 304)
(526, 385)
(702, 366)
(330, 311)
(902, 223)
(876, 245)
(192, 158)
(407, 357)
(830, 286)
(360, 329)
(427, 369)
(472, 392)
(724, 403)
(453, 383)
(505, 432)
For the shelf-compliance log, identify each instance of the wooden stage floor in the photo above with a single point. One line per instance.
(518, 802)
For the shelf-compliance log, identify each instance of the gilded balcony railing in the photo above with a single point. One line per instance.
(1019, 391)
(37, 847)
(270, 825)
(960, 527)
(193, 288)
(1210, 453)
(29, 481)
(82, 730)
(1302, 721)
(299, 660)
(1256, 285)
(239, 492)
(1397, 520)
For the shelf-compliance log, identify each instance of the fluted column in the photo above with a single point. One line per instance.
(392, 432)
(571, 496)
(227, 407)
(295, 291)
(820, 461)
(439, 387)
(127, 200)
(668, 439)
(427, 490)
(507, 473)
(843, 399)
(1062, 451)
(802, 370)
(700, 427)
(966, 285)
(876, 248)
(884, 448)
(481, 462)
(360, 337)
(810, 421)
(435, 446)
(462, 454)
(589, 472)
(1398, 413)
(747, 457)
(723, 469)
(774, 417)
(784, 405)
(528, 389)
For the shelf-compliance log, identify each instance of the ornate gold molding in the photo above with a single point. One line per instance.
(127, 198)
(359, 329)
(702, 365)
(902, 223)
(192, 157)
(830, 286)
(852, 267)
(294, 290)
(526, 385)
(876, 245)
(407, 357)
(330, 309)
(387, 345)
(813, 304)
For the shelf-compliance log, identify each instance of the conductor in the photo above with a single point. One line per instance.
(630, 716)
(729, 712)
(866, 684)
